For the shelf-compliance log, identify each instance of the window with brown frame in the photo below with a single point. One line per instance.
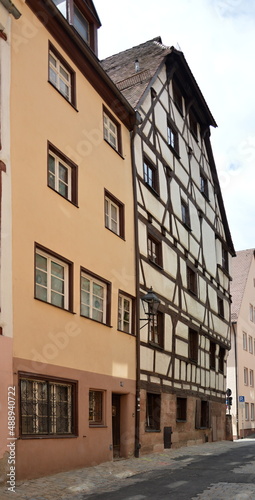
(220, 307)
(212, 355)
(53, 278)
(47, 406)
(62, 174)
(185, 213)
(80, 17)
(61, 75)
(177, 96)
(172, 137)
(114, 214)
(150, 174)
(193, 124)
(204, 185)
(222, 352)
(156, 329)
(112, 131)
(224, 258)
(191, 280)
(181, 409)
(96, 407)
(95, 297)
(154, 250)
(193, 345)
(153, 409)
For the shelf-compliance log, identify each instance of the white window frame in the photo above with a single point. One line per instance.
(245, 376)
(110, 131)
(251, 312)
(121, 313)
(93, 280)
(252, 411)
(110, 222)
(245, 341)
(49, 260)
(247, 411)
(250, 344)
(58, 71)
(251, 377)
(57, 179)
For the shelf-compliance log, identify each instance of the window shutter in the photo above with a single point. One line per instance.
(198, 414)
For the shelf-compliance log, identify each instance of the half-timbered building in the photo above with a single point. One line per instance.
(184, 250)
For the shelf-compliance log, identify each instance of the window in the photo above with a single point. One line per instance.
(203, 185)
(220, 307)
(193, 123)
(252, 411)
(156, 329)
(181, 409)
(245, 341)
(47, 407)
(245, 376)
(172, 137)
(177, 97)
(221, 359)
(185, 213)
(153, 407)
(225, 259)
(112, 131)
(251, 312)
(193, 345)
(53, 279)
(251, 378)
(250, 343)
(61, 75)
(203, 414)
(246, 411)
(95, 294)
(191, 280)
(114, 214)
(62, 174)
(154, 250)
(150, 174)
(81, 24)
(96, 401)
(212, 355)
(125, 313)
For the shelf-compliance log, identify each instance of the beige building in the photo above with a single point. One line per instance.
(69, 228)
(241, 359)
(185, 251)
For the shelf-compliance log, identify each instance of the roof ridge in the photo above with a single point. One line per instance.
(157, 40)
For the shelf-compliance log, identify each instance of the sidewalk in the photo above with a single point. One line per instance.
(66, 485)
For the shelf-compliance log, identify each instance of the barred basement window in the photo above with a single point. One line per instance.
(47, 407)
(153, 407)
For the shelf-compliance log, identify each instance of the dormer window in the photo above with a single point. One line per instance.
(81, 24)
(84, 20)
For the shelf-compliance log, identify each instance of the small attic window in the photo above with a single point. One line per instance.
(137, 66)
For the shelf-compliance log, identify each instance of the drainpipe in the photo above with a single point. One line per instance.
(137, 285)
(11, 8)
(237, 417)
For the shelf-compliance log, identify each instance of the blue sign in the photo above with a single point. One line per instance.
(241, 399)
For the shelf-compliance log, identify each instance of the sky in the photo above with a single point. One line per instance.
(217, 38)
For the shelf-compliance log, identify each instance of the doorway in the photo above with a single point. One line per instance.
(116, 425)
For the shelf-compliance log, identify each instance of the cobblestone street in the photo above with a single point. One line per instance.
(108, 479)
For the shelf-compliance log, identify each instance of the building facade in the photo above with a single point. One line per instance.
(241, 359)
(72, 268)
(184, 254)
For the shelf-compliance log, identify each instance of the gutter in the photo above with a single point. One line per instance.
(11, 8)
(234, 323)
(137, 285)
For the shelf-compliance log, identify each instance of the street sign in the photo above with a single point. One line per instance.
(241, 399)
